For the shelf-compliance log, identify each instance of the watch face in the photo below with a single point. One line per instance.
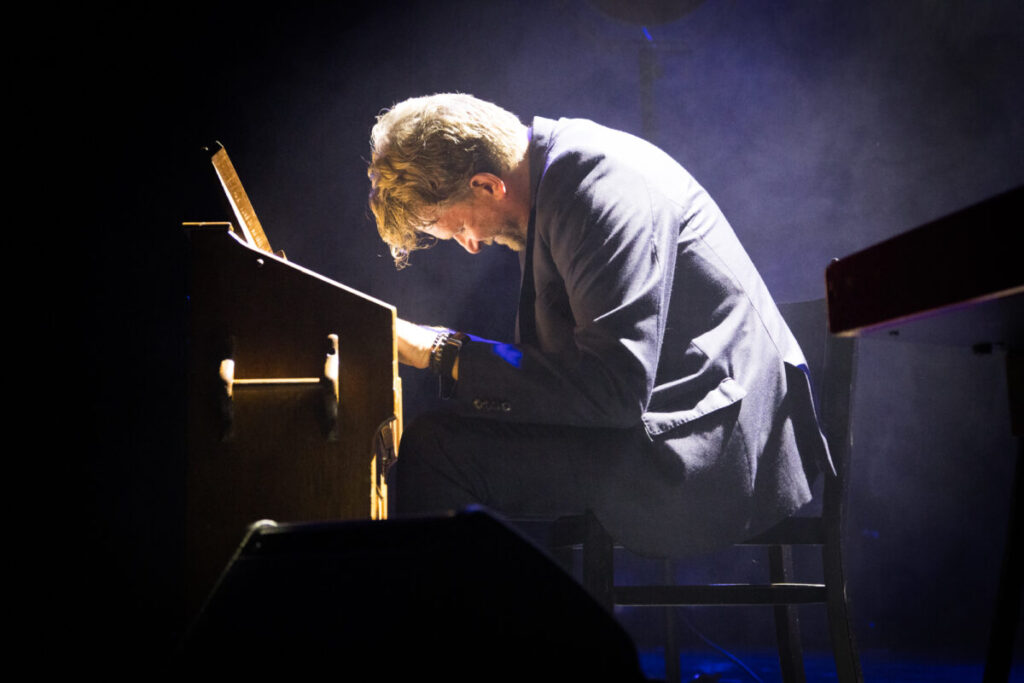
(437, 352)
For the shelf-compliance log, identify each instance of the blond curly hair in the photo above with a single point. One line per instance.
(423, 153)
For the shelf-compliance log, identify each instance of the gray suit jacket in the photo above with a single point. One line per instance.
(641, 308)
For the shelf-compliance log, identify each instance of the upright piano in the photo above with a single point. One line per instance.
(294, 401)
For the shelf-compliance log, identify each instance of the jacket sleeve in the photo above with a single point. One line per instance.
(603, 259)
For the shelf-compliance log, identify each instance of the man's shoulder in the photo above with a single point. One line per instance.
(566, 136)
(585, 161)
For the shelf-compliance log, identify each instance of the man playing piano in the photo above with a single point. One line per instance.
(652, 381)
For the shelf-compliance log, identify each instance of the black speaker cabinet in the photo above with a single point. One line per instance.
(461, 597)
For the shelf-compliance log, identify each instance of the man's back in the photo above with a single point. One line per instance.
(654, 379)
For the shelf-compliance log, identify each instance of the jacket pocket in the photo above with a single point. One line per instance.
(728, 392)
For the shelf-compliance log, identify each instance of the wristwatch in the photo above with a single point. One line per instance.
(443, 353)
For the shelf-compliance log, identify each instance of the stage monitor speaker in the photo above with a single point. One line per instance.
(463, 597)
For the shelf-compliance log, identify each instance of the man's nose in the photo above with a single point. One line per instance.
(468, 243)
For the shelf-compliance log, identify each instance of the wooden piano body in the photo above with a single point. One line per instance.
(958, 280)
(264, 440)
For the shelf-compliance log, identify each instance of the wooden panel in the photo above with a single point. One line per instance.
(274, 318)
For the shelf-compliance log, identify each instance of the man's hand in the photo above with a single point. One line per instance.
(414, 344)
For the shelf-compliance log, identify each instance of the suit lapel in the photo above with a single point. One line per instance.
(526, 323)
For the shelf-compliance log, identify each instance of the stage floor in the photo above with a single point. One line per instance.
(878, 667)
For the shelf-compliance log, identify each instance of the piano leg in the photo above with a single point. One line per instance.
(1006, 618)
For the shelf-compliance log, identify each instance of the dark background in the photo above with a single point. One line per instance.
(820, 127)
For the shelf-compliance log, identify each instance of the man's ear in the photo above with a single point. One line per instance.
(488, 183)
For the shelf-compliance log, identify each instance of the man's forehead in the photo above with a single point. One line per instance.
(428, 229)
(424, 219)
(433, 226)
(438, 230)
(441, 222)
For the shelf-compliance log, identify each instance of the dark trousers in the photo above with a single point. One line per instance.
(447, 462)
(641, 492)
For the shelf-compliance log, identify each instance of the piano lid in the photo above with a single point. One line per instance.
(956, 280)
